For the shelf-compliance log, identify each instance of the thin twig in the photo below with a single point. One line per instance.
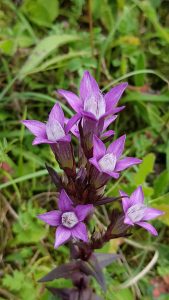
(135, 287)
(140, 275)
(91, 25)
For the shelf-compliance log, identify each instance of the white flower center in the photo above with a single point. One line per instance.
(54, 131)
(69, 219)
(95, 105)
(108, 162)
(136, 212)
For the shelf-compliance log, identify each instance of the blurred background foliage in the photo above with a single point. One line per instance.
(46, 45)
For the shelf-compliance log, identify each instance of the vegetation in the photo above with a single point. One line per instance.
(46, 45)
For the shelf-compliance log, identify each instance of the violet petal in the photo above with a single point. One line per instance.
(83, 210)
(39, 140)
(52, 217)
(148, 227)
(99, 148)
(117, 146)
(64, 203)
(94, 162)
(125, 201)
(88, 86)
(114, 95)
(73, 100)
(152, 213)
(36, 127)
(108, 121)
(56, 114)
(72, 122)
(108, 133)
(80, 232)
(137, 196)
(126, 163)
(62, 235)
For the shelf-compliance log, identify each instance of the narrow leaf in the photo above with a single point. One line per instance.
(63, 271)
(106, 259)
(54, 176)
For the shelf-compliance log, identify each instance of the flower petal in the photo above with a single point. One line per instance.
(126, 163)
(64, 203)
(80, 232)
(89, 115)
(36, 127)
(113, 96)
(117, 146)
(99, 148)
(39, 140)
(137, 197)
(95, 104)
(128, 221)
(72, 122)
(108, 133)
(148, 227)
(112, 174)
(54, 131)
(152, 213)
(73, 100)
(75, 130)
(108, 121)
(66, 138)
(94, 162)
(83, 210)
(125, 201)
(56, 114)
(114, 111)
(88, 86)
(62, 235)
(52, 217)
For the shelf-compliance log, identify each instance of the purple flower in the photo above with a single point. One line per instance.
(85, 122)
(68, 219)
(108, 160)
(54, 130)
(136, 212)
(91, 102)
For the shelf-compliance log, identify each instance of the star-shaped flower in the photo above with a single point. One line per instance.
(108, 160)
(136, 212)
(91, 102)
(68, 220)
(54, 130)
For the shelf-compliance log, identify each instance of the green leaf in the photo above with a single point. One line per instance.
(44, 48)
(154, 117)
(135, 96)
(161, 200)
(145, 168)
(164, 207)
(151, 14)
(121, 295)
(7, 47)
(15, 282)
(41, 12)
(140, 65)
(29, 229)
(21, 284)
(52, 63)
(161, 184)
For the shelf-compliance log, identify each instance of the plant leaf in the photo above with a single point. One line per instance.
(93, 268)
(63, 271)
(54, 176)
(44, 48)
(106, 259)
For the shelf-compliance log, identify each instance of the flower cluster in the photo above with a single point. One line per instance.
(83, 181)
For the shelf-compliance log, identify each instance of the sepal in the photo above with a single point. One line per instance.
(54, 176)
